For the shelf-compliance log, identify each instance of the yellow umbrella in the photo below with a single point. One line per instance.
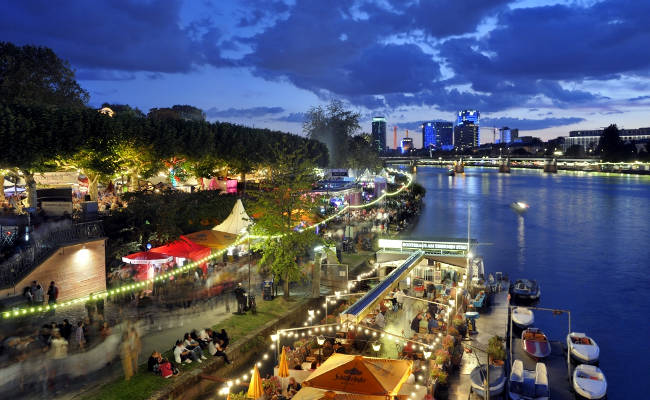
(283, 367)
(255, 390)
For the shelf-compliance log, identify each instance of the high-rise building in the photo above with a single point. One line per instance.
(407, 144)
(429, 135)
(466, 135)
(444, 134)
(507, 135)
(473, 116)
(379, 133)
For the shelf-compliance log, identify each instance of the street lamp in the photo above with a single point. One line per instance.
(376, 346)
(426, 354)
(320, 340)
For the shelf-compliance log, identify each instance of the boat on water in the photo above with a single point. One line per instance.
(525, 290)
(522, 317)
(589, 382)
(519, 206)
(497, 380)
(582, 348)
(450, 171)
(535, 343)
(528, 385)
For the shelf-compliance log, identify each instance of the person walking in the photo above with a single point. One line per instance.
(52, 293)
(125, 355)
(135, 345)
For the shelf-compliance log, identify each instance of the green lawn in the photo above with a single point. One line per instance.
(144, 383)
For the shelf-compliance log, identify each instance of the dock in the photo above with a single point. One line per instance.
(496, 321)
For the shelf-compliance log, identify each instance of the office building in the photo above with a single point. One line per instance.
(379, 133)
(444, 134)
(507, 135)
(466, 135)
(429, 135)
(407, 144)
(473, 116)
(589, 139)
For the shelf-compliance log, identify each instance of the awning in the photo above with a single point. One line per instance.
(184, 248)
(357, 312)
(212, 239)
(147, 257)
(312, 393)
(361, 375)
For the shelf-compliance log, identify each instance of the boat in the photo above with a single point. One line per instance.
(589, 382)
(451, 171)
(522, 317)
(525, 290)
(519, 206)
(535, 343)
(528, 385)
(582, 348)
(497, 380)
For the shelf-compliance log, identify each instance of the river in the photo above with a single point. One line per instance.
(585, 239)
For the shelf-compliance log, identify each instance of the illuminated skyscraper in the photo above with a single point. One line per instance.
(507, 135)
(379, 133)
(444, 134)
(466, 135)
(473, 116)
(429, 135)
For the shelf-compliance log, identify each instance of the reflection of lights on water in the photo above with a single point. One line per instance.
(521, 241)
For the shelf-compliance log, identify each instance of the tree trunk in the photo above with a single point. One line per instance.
(286, 287)
(93, 190)
(243, 182)
(30, 184)
(2, 192)
(134, 182)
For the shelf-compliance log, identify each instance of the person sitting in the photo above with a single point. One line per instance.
(380, 319)
(153, 364)
(313, 366)
(193, 345)
(223, 336)
(293, 385)
(195, 338)
(338, 348)
(415, 324)
(183, 355)
(217, 350)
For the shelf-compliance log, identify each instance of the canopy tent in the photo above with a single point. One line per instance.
(237, 221)
(312, 393)
(212, 239)
(147, 257)
(361, 375)
(367, 176)
(357, 311)
(352, 173)
(184, 248)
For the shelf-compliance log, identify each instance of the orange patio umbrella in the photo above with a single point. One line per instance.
(361, 375)
(255, 389)
(283, 367)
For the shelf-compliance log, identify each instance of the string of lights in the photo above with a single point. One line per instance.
(31, 310)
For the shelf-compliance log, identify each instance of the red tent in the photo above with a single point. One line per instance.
(146, 257)
(185, 248)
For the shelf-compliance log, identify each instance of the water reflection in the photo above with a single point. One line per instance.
(521, 243)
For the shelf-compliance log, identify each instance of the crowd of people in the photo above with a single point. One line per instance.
(190, 349)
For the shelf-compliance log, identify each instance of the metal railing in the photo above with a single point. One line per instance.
(22, 263)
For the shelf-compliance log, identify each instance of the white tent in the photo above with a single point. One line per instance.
(236, 222)
(352, 173)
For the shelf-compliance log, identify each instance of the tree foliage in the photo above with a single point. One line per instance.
(610, 145)
(332, 125)
(36, 75)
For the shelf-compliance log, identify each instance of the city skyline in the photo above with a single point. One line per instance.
(544, 67)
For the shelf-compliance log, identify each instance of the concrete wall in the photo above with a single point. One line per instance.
(78, 270)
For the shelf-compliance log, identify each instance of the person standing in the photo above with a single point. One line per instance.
(52, 293)
(79, 337)
(39, 296)
(125, 353)
(135, 347)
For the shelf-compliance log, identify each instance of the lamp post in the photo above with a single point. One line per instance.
(320, 340)
(375, 347)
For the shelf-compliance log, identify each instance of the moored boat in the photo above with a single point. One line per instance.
(519, 206)
(582, 348)
(451, 171)
(589, 382)
(525, 290)
(497, 380)
(522, 317)
(528, 385)
(535, 343)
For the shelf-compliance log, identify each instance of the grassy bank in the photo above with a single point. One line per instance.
(144, 383)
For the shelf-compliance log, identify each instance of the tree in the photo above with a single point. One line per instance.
(361, 153)
(35, 75)
(575, 150)
(610, 145)
(333, 126)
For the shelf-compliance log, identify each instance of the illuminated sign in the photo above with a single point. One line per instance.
(420, 244)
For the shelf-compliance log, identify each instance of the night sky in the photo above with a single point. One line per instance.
(542, 66)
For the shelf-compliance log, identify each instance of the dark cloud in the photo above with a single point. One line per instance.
(639, 98)
(293, 117)
(242, 112)
(530, 124)
(122, 35)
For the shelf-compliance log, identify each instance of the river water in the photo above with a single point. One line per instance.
(585, 239)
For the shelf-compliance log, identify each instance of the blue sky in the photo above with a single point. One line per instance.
(546, 67)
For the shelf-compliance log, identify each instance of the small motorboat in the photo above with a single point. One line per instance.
(589, 382)
(535, 343)
(497, 380)
(525, 290)
(522, 317)
(582, 348)
(519, 206)
(528, 385)
(451, 171)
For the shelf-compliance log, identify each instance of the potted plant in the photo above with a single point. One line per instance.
(459, 323)
(439, 377)
(453, 331)
(496, 350)
(448, 342)
(442, 356)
